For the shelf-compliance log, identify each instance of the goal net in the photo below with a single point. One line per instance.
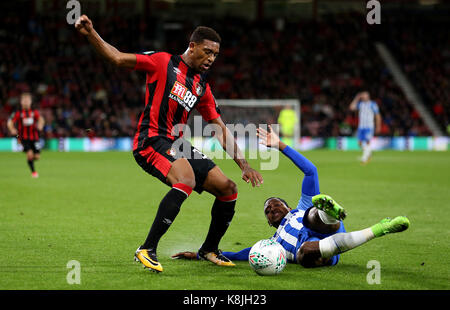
(244, 115)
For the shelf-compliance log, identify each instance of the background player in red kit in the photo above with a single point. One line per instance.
(25, 124)
(175, 86)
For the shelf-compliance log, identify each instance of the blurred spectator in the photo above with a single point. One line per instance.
(321, 63)
(424, 54)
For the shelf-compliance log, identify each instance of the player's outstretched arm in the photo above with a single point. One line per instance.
(226, 139)
(310, 185)
(270, 138)
(110, 53)
(185, 255)
(241, 255)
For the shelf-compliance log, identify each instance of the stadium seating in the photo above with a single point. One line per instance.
(424, 55)
(324, 64)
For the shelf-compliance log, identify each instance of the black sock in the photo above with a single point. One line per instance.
(167, 211)
(31, 165)
(222, 213)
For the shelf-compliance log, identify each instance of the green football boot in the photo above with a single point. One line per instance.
(329, 206)
(389, 226)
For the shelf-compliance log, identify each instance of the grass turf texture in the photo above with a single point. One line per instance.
(97, 208)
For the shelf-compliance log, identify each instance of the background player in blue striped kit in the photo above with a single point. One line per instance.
(369, 122)
(313, 233)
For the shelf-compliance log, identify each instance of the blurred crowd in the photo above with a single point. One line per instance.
(323, 64)
(424, 53)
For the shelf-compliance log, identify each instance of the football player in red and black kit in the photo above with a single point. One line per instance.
(175, 85)
(25, 124)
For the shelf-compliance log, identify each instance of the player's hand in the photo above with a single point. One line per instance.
(14, 132)
(251, 175)
(268, 138)
(185, 255)
(84, 25)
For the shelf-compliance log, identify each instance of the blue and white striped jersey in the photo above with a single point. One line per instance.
(291, 230)
(367, 111)
(288, 233)
(292, 233)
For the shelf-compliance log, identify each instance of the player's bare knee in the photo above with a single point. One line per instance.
(181, 172)
(334, 227)
(308, 254)
(189, 181)
(186, 179)
(315, 223)
(230, 188)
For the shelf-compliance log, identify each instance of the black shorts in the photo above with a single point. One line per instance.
(157, 155)
(31, 145)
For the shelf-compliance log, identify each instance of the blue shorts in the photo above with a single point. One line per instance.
(365, 134)
(310, 235)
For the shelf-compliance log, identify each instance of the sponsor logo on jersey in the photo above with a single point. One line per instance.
(28, 121)
(183, 96)
(171, 152)
(198, 89)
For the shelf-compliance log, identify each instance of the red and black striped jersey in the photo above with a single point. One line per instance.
(26, 124)
(173, 89)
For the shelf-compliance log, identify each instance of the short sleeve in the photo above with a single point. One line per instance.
(148, 61)
(14, 116)
(36, 115)
(375, 108)
(207, 106)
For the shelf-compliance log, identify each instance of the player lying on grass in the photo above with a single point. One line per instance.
(313, 233)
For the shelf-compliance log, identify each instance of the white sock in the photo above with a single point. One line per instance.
(327, 219)
(366, 151)
(342, 242)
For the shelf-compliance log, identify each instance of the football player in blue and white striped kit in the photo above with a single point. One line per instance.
(313, 233)
(369, 122)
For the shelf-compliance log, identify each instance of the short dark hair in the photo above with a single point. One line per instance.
(204, 33)
(280, 199)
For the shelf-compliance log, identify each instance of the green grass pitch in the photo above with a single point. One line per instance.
(97, 208)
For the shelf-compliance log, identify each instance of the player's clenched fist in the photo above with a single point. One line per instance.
(84, 25)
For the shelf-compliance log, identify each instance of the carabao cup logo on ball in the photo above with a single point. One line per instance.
(267, 257)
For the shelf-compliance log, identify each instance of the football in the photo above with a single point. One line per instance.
(267, 257)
